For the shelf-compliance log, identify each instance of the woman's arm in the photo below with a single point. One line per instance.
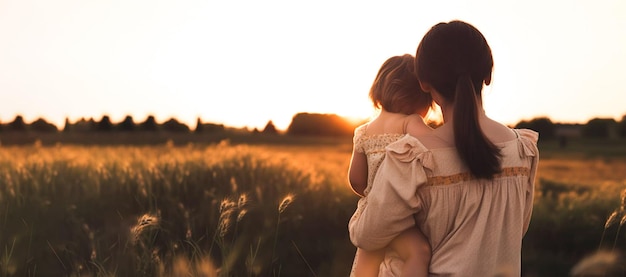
(357, 173)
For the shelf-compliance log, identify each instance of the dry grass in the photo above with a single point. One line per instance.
(163, 210)
(214, 210)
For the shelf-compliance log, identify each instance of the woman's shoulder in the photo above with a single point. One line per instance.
(527, 134)
(528, 141)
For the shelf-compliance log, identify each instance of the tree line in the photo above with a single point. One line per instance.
(302, 124)
(594, 128)
(105, 124)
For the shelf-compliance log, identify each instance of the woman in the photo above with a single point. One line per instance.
(468, 185)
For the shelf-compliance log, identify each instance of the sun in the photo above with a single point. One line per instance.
(359, 115)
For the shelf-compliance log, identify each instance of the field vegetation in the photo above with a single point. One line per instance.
(259, 207)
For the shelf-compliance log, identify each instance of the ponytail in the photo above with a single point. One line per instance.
(455, 58)
(479, 154)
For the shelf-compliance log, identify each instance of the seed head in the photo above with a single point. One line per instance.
(597, 264)
(243, 200)
(144, 222)
(243, 213)
(623, 198)
(285, 203)
(611, 220)
(226, 205)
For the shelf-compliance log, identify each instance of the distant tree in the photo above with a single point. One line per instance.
(82, 125)
(104, 124)
(92, 124)
(199, 126)
(149, 124)
(127, 125)
(208, 127)
(320, 125)
(41, 125)
(17, 124)
(212, 127)
(542, 125)
(621, 128)
(270, 128)
(67, 126)
(172, 125)
(599, 128)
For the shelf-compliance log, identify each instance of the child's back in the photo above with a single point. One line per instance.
(402, 104)
(372, 138)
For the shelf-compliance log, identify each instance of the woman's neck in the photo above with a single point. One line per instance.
(447, 113)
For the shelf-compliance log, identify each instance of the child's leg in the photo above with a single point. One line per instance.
(368, 262)
(414, 249)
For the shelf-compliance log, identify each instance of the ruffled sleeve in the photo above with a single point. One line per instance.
(389, 207)
(528, 149)
(528, 142)
(357, 139)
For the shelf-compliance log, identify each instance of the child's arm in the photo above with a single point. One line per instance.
(357, 173)
(368, 262)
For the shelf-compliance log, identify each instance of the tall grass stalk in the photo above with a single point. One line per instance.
(281, 208)
(605, 262)
(621, 222)
(6, 261)
(303, 259)
(251, 258)
(56, 255)
(607, 224)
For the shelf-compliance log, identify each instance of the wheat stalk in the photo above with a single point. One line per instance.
(281, 208)
(609, 222)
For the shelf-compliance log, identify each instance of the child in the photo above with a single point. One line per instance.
(402, 103)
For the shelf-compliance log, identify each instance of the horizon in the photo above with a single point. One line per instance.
(192, 125)
(244, 64)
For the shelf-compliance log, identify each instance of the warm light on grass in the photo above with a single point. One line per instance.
(265, 210)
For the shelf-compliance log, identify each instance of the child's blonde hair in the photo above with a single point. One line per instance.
(396, 88)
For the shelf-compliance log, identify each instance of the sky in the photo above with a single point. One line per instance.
(243, 63)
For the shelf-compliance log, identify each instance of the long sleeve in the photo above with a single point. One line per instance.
(529, 140)
(389, 207)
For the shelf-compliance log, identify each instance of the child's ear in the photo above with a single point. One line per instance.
(426, 87)
(488, 79)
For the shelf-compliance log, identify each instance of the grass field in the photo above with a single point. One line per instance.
(253, 209)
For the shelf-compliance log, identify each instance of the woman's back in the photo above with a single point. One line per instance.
(474, 225)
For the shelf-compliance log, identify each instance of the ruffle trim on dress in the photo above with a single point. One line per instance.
(528, 142)
(408, 148)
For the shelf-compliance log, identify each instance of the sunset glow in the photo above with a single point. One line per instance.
(245, 63)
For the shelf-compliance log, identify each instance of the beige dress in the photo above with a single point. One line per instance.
(475, 226)
(373, 146)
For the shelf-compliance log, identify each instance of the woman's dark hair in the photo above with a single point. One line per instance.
(396, 88)
(455, 59)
